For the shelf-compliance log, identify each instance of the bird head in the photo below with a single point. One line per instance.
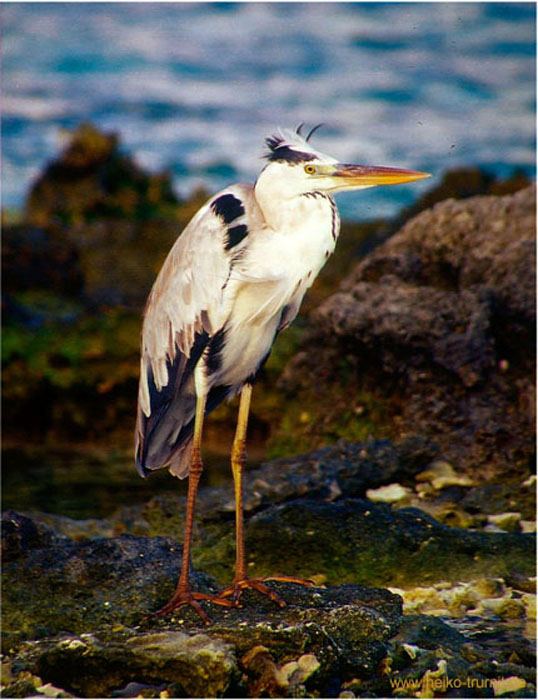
(296, 168)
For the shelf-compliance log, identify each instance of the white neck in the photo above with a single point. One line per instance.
(309, 223)
(283, 209)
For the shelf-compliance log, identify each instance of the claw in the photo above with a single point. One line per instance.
(258, 584)
(191, 599)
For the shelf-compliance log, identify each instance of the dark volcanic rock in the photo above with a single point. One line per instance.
(338, 539)
(84, 584)
(83, 605)
(356, 540)
(342, 470)
(323, 642)
(93, 595)
(439, 325)
(461, 183)
(21, 535)
(307, 516)
(96, 226)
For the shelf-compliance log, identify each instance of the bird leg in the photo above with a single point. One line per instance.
(183, 595)
(241, 581)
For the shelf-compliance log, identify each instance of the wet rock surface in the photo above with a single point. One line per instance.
(310, 517)
(357, 540)
(342, 470)
(91, 639)
(86, 584)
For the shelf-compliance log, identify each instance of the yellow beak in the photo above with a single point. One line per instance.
(372, 175)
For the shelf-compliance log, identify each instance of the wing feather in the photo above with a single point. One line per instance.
(186, 306)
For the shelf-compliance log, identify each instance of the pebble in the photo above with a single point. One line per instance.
(441, 474)
(483, 597)
(388, 494)
(506, 521)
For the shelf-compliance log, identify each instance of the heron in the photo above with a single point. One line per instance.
(233, 280)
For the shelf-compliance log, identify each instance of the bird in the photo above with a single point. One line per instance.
(233, 280)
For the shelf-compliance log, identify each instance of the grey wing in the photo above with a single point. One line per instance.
(185, 309)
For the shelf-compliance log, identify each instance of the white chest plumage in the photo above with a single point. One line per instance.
(287, 260)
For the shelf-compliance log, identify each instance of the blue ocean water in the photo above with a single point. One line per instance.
(195, 87)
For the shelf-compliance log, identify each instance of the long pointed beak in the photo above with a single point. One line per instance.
(371, 175)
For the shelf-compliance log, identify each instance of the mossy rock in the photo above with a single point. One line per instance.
(92, 179)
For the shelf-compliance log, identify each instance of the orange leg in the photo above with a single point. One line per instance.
(241, 581)
(183, 594)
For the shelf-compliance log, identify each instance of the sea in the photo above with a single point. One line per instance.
(194, 88)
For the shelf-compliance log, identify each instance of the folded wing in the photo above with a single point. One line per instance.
(186, 308)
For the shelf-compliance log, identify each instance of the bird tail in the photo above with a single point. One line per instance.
(164, 438)
(166, 409)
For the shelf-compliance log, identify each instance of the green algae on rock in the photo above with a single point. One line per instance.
(103, 643)
(86, 584)
(356, 540)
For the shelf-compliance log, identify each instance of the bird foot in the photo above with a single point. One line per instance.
(235, 591)
(190, 598)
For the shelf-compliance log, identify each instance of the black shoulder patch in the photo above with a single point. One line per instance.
(235, 235)
(228, 207)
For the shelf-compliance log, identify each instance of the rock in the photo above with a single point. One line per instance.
(74, 528)
(424, 659)
(506, 521)
(487, 600)
(509, 685)
(97, 591)
(356, 540)
(90, 665)
(92, 178)
(338, 471)
(86, 584)
(434, 330)
(427, 632)
(461, 183)
(96, 227)
(304, 522)
(91, 639)
(20, 535)
(393, 493)
(496, 498)
(441, 474)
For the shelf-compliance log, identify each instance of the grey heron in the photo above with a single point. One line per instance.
(232, 281)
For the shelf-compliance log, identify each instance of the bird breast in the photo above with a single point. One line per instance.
(298, 247)
(272, 275)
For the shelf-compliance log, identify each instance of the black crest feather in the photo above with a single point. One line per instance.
(290, 147)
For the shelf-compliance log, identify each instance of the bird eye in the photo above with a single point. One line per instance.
(309, 169)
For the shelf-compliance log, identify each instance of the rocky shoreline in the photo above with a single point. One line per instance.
(436, 604)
